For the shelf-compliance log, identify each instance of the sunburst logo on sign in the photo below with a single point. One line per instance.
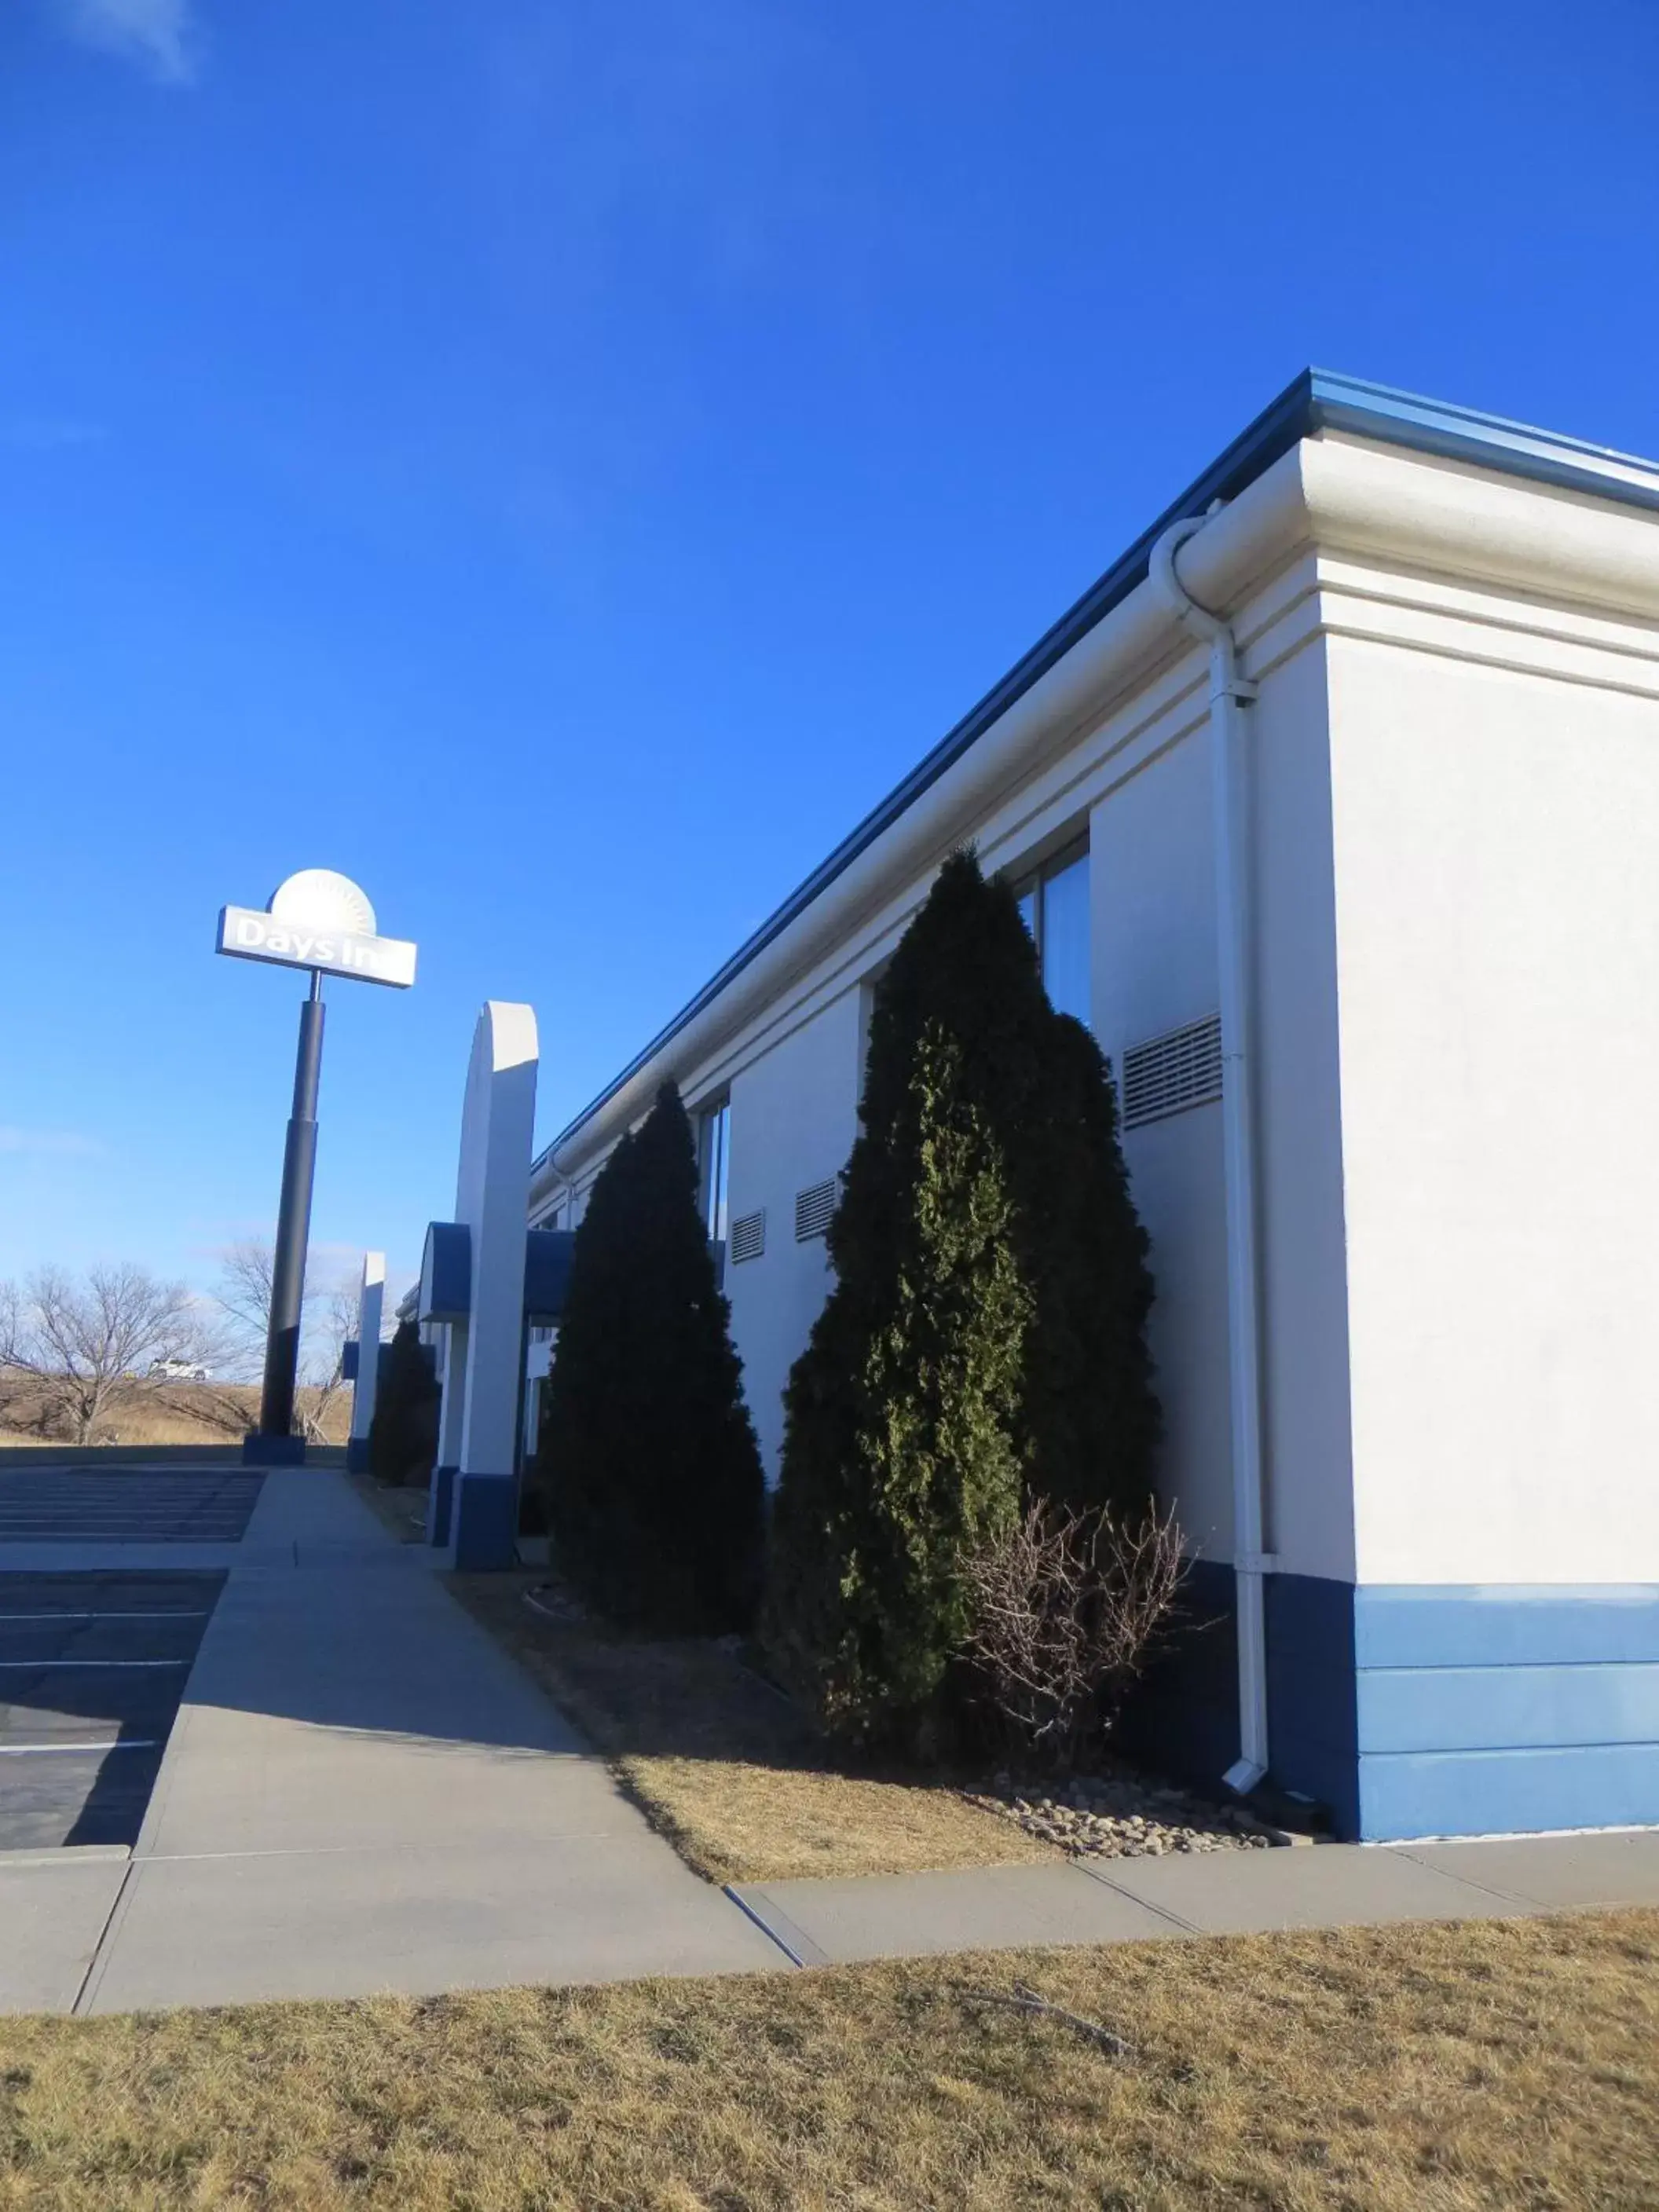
(319, 920)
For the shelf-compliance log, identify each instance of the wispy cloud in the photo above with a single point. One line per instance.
(39, 1141)
(156, 34)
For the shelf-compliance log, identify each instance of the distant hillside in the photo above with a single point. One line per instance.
(160, 1413)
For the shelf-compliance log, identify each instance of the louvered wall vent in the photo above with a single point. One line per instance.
(1169, 1073)
(748, 1239)
(813, 1208)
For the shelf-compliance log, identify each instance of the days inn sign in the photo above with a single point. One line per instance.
(319, 920)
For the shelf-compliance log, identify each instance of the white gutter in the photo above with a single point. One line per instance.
(1230, 695)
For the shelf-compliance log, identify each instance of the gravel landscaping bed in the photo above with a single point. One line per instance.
(1116, 1816)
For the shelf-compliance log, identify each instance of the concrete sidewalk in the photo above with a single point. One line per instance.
(361, 1792)
(1207, 1894)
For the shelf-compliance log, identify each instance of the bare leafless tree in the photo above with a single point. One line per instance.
(328, 1317)
(86, 1343)
(246, 1270)
(325, 1364)
(1065, 1608)
(11, 1331)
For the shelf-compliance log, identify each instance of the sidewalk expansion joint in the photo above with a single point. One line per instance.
(808, 1954)
(94, 1974)
(1187, 1927)
(1467, 1880)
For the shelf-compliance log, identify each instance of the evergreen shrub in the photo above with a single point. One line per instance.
(984, 1344)
(403, 1432)
(647, 1455)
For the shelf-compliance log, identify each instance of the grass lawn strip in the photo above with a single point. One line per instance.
(726, 1769)
(1430, 2068)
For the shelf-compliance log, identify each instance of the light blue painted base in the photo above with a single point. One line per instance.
(486, 1522)
(439, 1501)
(1420, 1709)
(357, 1456)
(273, 1451)
(1484, 1708)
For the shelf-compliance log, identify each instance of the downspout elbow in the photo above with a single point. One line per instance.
(1165, 580)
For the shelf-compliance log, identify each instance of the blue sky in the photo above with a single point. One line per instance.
(561, 463)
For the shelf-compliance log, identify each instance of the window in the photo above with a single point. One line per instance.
(713, 1163)
(1053, 904)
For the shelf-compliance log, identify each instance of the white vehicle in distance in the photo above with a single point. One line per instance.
(179, 1371)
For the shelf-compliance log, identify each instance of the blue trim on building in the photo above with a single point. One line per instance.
(1182, 1718)
(1506, 1623)
(1484, 1707)
(1414, 1710)
(1520, 1708)
(1474, 1793)
(1316, 400)
(446, 1284)
(1312, 1729)
(486, 1522)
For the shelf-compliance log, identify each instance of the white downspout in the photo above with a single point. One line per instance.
(1229, 694)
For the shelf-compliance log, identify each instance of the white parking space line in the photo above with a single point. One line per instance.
(33, 1750)
(5, 1616)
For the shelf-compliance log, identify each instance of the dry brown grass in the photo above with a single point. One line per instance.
(724, 1768)
(163, 1414)
(1443, 2069)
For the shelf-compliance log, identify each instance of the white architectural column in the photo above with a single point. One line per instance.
(451, 1381)
(371, 1298)
(491, 1202)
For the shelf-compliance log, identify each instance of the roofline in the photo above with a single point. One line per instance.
(1318, 400)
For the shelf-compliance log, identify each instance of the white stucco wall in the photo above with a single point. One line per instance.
(1302, 1258)
(1497, 840)
(1152, 897)
(1152, 845)
(794, 1114)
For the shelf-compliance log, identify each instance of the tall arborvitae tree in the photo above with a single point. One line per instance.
(403, 1432)
(961, 1037)
(646, 1453)
(1090, 1408)
(902, 1449)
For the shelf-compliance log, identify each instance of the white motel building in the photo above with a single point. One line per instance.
(1335, 811)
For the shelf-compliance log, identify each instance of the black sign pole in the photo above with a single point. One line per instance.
(288, 1273)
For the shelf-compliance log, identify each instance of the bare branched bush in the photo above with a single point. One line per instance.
(86, 1343)
(1067, 1607)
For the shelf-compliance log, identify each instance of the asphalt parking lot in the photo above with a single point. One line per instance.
(125, 1505)
(93, 1660)
(92, 1668)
